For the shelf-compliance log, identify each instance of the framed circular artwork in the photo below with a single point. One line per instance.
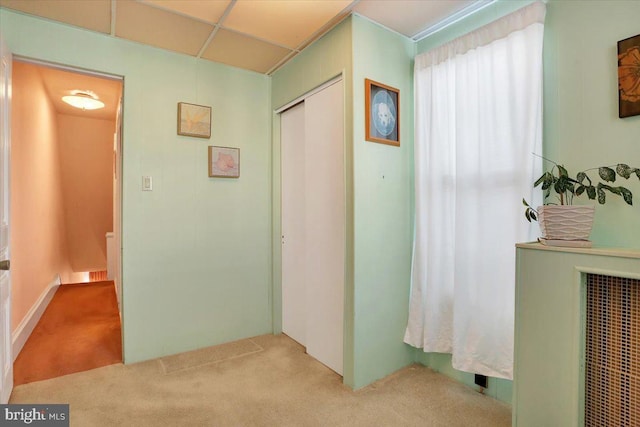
(382, 113)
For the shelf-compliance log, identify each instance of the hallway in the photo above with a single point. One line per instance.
(80, 330)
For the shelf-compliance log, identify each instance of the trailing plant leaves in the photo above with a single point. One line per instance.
(607, 174)
(558, 187)
(624, 170)
(547, 180)
(614, 190)
(558, 180)
(540, 180)
(620, 191)
(530, 213)
(563, 184)
(581, 177)
(601, 196)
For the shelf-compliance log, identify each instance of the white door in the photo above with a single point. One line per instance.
(325, 224)
(6, 360)
(294, 299)
(313, 224)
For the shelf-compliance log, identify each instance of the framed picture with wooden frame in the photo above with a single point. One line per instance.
(629, 77)
(382, 113)
(194, 120)
(224, 162)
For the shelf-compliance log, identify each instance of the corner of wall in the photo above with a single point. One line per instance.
(497, 388)
(382, 200)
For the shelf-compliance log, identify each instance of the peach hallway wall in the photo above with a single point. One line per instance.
(38, 237)
(86, 156)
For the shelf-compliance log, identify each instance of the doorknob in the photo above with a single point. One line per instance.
(4, 265)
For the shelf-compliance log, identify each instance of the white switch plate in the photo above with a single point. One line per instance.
(147, 183)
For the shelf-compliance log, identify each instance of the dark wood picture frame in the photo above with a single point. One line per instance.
(629, 77)
(194, 120)
(382, 113)
(224, 162)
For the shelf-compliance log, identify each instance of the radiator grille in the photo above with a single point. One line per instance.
(612, 352)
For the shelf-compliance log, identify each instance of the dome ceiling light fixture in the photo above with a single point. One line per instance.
(83, 99)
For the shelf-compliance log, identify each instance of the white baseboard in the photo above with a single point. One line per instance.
(31, 319)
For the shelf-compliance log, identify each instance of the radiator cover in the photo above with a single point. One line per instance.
(612, 351)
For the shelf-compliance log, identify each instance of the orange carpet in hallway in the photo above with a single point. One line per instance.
(79, 330)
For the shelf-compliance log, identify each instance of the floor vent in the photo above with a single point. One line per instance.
(612, 352)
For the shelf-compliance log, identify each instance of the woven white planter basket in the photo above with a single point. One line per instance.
(566, 222)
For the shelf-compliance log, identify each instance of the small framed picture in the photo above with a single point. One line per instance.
(194, 120)
(382, 113)
(629, 77)
(224, 162)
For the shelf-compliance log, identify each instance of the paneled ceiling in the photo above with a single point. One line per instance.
(258, 35)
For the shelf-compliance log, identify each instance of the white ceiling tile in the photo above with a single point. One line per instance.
(284, 22)
(241, 51)
(93, 15)
(146, 24)
(205, 10)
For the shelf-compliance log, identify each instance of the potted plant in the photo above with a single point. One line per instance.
(563, 221)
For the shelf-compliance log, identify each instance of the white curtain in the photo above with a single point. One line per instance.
(478, 103)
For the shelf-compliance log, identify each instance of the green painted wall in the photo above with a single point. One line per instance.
(581, 125)
(383, 208)
(324, 59)
(196, 250)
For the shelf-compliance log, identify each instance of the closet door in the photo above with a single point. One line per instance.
(325, 225)
(294, 299)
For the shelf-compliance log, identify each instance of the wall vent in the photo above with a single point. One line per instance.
(612, 352)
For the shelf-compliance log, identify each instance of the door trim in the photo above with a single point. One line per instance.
(70, 68)
(313, 91)
(119, 160)
(6, 356)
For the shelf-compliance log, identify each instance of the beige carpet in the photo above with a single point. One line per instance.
(264, 381)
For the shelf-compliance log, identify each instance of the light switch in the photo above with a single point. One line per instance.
(147, 183)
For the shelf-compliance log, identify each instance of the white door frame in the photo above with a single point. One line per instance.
(6, 357)
(118, 159)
